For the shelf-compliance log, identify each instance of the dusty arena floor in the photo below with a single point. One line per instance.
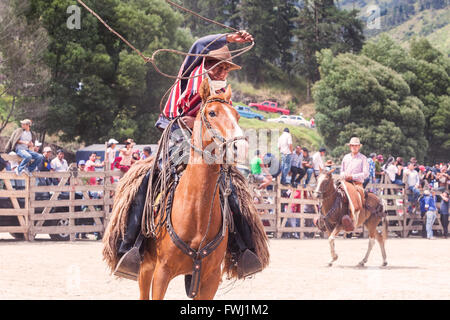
(418, 269)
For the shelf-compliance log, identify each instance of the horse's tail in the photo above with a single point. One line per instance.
(124, 195)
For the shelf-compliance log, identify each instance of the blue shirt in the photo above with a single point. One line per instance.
(427, 200)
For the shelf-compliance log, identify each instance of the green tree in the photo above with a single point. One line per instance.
(427, 72)
(101, 88)
(319, 25)
(357, 96)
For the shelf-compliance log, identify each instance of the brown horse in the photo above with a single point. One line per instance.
(335, 205)
(196, 215)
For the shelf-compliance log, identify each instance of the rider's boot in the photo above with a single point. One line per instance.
(130, 248)
(241, 242)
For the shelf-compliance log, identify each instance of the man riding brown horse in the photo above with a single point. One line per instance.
(184, 102)
(354, 170)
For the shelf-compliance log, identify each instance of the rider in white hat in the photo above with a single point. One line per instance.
(354, 170)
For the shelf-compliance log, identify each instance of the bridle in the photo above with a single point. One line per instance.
(217, 138)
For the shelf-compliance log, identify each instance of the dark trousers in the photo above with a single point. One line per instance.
(444, 222)
(297, 175)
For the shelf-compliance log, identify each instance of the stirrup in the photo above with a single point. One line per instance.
(248, 264)
(129, 265)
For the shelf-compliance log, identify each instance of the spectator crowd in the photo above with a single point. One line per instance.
(425, 185)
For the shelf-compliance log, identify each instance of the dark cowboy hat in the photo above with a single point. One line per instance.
(222, 54)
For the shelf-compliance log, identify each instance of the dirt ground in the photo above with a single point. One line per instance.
(418, 269)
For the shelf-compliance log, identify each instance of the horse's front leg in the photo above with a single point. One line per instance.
(331, 239)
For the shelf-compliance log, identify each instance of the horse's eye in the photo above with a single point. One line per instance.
(212, 114)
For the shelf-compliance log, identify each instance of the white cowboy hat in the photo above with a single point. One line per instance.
(26, 121)
(47, 149)
(354, 142)
(113, 141)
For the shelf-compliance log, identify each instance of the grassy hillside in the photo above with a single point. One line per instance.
(431, 24)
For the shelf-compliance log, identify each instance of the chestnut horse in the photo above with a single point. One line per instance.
(335, 205)
(196, 217)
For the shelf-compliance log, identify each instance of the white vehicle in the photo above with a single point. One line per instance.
(292, 120)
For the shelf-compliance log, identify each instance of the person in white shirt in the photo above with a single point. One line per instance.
(413, 181)
(285, 148)
(317, 161)
(59, 163)
(111, 152)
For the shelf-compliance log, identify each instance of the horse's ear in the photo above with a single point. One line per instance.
(228, 93)
(204, 90)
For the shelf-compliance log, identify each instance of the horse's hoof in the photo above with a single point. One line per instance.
(330, 264)
(384, 264)
(361, 264)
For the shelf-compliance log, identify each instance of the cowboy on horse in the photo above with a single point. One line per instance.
(354, 170)
(209, 60)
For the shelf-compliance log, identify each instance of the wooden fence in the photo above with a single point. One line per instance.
(63, 204)
(288, 211)
(60, 204)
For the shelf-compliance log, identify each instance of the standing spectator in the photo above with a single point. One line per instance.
(317, 161)
(399, 175)
(285, 148)
(296, 166)
(378, 168)
(413, 183)
(390, 169)
(45, 166)
(444, 213)
(312, 123)
(428, 206)
(59, 164)
(21, 141)
(257, 167)
(146, 153)
(127, 155)
(371, 178)
(111, 152)
(442, 178)
(91, 164)
(307, 167)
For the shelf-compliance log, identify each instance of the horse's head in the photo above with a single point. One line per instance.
(217, 121)
(324, 182)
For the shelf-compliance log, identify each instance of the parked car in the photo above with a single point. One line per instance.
(292, 120)
(247, 113)
(269, 106)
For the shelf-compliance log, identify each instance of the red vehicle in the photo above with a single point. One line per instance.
(269, 106)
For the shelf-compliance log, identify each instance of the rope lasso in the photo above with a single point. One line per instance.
(152, 59)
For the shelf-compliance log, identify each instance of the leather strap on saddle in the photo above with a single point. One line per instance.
(356, 198)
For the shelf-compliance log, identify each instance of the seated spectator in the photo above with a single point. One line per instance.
(37, 146)
(21, 141)
(413, 183)
(307, 166)
(296, 166)
(272, 163)
(257, 167)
